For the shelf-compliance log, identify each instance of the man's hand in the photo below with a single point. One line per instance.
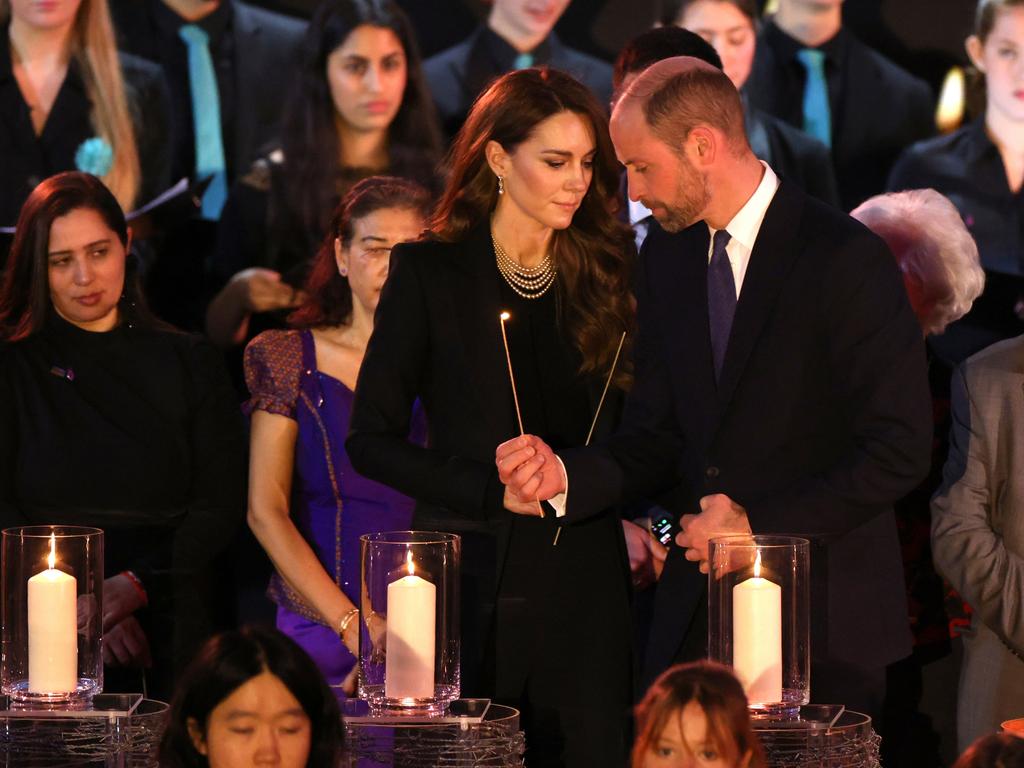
(529, 469)
(719, 516)
(125, 645)
(646, 555)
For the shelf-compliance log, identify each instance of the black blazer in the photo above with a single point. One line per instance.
(265, 49)
(821, 420)
(27, 159)
(437, 338)
(461, 73)
(877, 108)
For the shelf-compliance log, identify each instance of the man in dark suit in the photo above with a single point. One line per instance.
(253, 53)
(794, 155)
(514, 37)
(248, 55)
(815, 75)
(780, 383)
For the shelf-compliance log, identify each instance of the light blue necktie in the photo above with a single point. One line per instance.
(721, 298)
(817, 114)
(206, 119)
(523, 61)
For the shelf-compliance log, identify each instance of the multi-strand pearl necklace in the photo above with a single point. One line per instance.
(528, 282)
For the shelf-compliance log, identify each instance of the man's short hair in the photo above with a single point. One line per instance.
(661, 43)
(678, 94)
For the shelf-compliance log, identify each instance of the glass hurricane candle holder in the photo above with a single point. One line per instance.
(409, 614)
(52, 614)
(758, 618)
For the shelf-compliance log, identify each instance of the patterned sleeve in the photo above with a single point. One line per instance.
(273, 363)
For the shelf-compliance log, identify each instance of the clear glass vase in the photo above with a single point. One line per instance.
(409, 611)
(759, 619)
(52, 615)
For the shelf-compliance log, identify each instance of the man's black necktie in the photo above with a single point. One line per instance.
(721, 298)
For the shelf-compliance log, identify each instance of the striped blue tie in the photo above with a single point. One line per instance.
(817, 113)
(206, 120)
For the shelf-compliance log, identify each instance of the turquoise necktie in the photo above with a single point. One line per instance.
(206, 119)
(817, 114)
(523, 61)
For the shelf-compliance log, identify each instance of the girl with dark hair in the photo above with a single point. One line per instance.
(526, 225)
(111, 419)
(307, 506)
(360, 107)
(252, 697)
(695, 715)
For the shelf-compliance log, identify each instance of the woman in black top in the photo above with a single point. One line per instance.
(110, 419)
(359, 108)
(980, 168)
(526, 225)
(70, 101)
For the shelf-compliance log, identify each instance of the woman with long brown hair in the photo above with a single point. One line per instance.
(526, 226)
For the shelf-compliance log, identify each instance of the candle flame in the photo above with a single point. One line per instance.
(757, 565)
(505, 316)
(52, 559)
(412, 568)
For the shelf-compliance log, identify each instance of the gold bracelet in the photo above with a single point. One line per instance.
(345, 621)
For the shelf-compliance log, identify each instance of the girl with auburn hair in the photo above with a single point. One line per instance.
(77, 104)
(526, 227)
(307, 506)
(695, 715)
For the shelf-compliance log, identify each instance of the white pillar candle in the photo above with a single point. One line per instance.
(757, 637)
(52, 629)
(409, 670)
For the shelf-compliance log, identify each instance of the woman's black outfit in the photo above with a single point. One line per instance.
(552, 621)
(26, 159)
(134, 431)
(967, 168)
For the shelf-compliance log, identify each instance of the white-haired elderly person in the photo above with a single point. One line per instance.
(943, 276)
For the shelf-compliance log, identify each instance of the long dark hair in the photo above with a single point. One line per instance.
(328, 294)
(25, 297)
(309, 137)
(595, 253)
(716, 690)
(230, 660)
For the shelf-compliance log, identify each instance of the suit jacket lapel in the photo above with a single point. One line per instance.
(476, 300)
(247, 33)
(770, 261)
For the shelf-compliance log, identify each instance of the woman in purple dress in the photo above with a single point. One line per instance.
(307, 506)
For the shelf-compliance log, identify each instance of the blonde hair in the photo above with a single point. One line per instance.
(94, 49)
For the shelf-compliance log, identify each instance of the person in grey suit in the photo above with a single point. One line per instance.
(514, 37)
(978, 533)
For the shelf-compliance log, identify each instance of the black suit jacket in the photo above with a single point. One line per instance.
(461, 73)
(877, 108)
(820, 422)
(437, 337)
(265, 47)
